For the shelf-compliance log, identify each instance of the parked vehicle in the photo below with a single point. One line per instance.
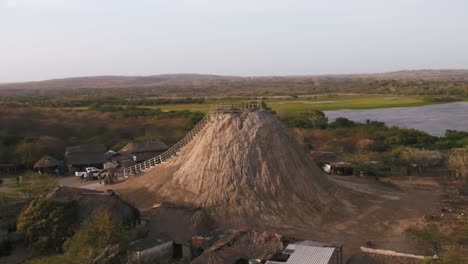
(326, 168)
(90, 172)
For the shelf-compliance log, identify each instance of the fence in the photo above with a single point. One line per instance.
(172, 151)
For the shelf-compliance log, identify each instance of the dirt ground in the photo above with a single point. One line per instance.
(73, 181)
(383, 225)
(400, 202)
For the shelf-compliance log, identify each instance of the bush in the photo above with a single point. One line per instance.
(195, 118)
(309, 119)
(47, 223)
(458, 162)
(372, 170)
(342, 122)
(432, 236)
(33, 185)
(101, 239)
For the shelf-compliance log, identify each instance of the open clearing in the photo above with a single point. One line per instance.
(405, 204)
(295, 106)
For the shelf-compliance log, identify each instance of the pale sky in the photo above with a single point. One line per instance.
(44, 39)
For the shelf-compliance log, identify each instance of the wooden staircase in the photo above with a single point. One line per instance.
(172, 151)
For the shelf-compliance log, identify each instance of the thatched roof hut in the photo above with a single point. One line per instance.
(88, 154)
(91, 200)
(143, 150)
(145, 146)
(47, 162)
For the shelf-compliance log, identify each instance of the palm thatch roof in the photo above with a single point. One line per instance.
(145, 146)
(92, 200)
(86, 154)
(87, 148)
(47, 162)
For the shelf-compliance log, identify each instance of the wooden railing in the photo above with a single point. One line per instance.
(172, 151)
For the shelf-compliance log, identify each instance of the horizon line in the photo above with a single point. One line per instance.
(236, 76)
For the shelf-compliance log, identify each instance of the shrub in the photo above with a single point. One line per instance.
(342, 122)
(458, 162)
(102, 237)
(33, 185)
(46, 224)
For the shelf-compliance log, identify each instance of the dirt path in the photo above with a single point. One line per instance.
(400, 203)
(384, 223)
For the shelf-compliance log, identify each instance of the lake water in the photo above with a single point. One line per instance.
(433, 119)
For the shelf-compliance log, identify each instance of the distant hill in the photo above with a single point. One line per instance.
(193, 85)
(118, 81)
(207, 80)
(427, 75)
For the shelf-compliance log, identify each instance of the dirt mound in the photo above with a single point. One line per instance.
(242, 167)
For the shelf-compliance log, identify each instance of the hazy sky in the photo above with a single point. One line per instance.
(42, 39)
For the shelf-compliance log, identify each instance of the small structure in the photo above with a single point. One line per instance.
(8, 168)
(150, 250)
(305, 253)
(338, 168)
(235, 246)
(82, 156)
(198, 244)
(115, 159)
(141, 151)
(373, 168)
(91, 200)
(48, 164)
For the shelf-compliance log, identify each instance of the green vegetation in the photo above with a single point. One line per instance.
(331, 102)
(102, 239)
(27, 134)
(47, 223)
(32, 185)
(31, 132)
(434, 84)
(448, 240)
(293, 106)
(458, 161)
(374, 148)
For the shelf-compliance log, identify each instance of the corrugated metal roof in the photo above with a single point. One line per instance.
(310, 255)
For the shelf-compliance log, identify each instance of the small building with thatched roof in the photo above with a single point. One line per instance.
(145, 150)
(48, 164)
(88, 155)
(115, 159)
(91, 200)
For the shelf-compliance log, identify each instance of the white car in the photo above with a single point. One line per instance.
(92, 171)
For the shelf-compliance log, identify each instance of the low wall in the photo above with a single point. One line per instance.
(151, 255)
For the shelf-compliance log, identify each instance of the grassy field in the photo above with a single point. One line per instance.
(325, 103)
(296, 105)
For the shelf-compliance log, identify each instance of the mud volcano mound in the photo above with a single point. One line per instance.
(246, 168)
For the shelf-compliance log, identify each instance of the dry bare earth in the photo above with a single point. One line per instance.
(247, 170)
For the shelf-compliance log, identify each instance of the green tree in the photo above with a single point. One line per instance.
(317, 118)
(98, 240)
(342, 122)
(28, 153)
(102, 239)
(47, 223)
